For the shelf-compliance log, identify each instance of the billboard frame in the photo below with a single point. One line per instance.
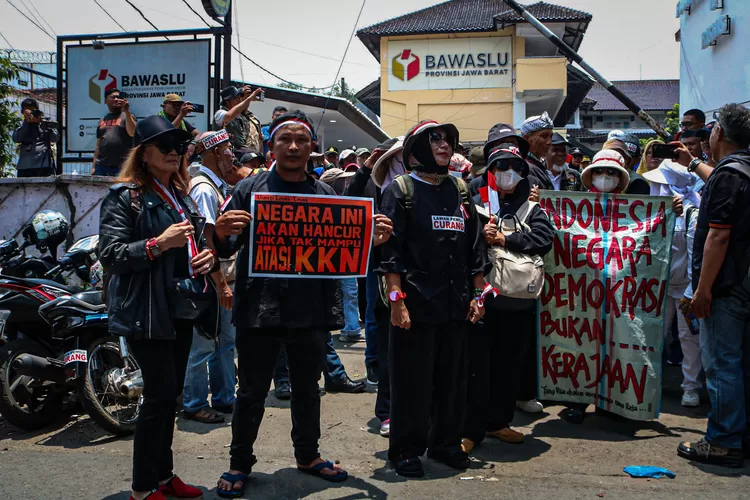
(63, 42)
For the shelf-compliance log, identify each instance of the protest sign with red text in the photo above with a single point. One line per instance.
(310, 236)
(602, 311)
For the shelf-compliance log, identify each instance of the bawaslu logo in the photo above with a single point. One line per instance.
(405, 66)
(100, 83)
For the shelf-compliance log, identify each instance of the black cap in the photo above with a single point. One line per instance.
(576, 152)
(155, 126)
(507, 152)
(248, 157)
(501, 131)
(332, 151)
(633, 145)
(385, 146)
(229, 93)
(557, 139)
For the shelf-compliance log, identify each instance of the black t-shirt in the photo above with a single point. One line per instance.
(436, 247)
(188, 126)
(115, 142)
(725, 205)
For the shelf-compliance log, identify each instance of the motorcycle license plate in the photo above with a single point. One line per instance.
(4, 315)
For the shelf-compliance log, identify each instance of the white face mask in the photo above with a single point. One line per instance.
(508, 180)
(605, 183)
(558, 168)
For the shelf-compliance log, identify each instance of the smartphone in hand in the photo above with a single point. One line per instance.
(198, 108)
(667, 151)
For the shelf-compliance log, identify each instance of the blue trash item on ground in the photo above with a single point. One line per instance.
(648, 471)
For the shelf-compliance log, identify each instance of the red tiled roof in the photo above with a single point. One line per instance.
(651, 95)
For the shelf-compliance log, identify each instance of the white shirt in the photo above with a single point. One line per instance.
(556, 179)
(219, 117)
(205, 196)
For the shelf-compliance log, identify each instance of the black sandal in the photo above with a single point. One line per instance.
(409, 467)
(210, 416)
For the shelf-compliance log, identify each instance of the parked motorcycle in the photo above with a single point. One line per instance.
(46, 231)
(63, 345)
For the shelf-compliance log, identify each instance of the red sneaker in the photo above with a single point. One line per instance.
(177, 489)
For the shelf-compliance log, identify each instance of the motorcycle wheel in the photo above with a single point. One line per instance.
(111, 410)
(24, 402)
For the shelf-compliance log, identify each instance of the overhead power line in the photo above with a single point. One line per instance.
(142, 15)
(110, 15)
(38, 14)
(196, 12)
(32, 21)
(6, 41)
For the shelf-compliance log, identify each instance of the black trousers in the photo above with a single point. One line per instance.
(383, 399)
(258, 351)
(36, 172)
(163, 364)
(499, 370)
(428, 388)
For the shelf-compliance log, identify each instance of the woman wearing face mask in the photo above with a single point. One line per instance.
(148, 237)
(606, 174)
(502, 367)
(435, 258)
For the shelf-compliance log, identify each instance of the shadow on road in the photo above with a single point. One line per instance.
(70, 433)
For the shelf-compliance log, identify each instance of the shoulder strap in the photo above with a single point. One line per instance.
(689, 215)
(463, 188)
(406, 184)
(201, 178)
(524, 211)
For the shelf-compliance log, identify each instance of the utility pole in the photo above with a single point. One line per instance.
(343, 88)
(227, 49)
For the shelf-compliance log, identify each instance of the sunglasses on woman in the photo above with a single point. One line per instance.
(608, 171)
(436, 138)
(505, 165)
(166, 146)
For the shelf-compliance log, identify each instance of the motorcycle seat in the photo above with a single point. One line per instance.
(67, 288)
(93, 297)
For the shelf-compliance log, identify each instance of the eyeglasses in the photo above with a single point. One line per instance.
(436, 138)
(505, 165)
(686, 124)
(167, 146)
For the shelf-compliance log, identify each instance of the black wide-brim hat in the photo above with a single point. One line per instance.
(157, 127)
(502, 131)
(423, 127)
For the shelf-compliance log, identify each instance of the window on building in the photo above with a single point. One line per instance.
(588, 122)
(599, 118)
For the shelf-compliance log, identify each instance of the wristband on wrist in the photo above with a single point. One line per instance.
(152, 249)
(396, 295)
(693, 165)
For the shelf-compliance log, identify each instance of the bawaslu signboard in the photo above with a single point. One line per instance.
(602, 310)
(145, 71)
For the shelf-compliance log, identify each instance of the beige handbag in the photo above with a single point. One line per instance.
(516, 274)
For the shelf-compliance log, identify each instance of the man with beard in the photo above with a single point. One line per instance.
(275, 312)
(209, 190)
(563, 178)
(114, 135)
(537, 131)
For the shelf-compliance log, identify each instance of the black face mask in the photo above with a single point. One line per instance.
(422, 152)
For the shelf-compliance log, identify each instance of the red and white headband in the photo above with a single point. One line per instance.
(213, 140)
(291, 122)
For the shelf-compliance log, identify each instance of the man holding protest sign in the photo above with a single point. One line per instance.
(277, 310)
(437, 254)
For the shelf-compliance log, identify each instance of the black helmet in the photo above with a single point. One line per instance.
(47, 229)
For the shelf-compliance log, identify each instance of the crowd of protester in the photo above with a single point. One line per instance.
(424, 310)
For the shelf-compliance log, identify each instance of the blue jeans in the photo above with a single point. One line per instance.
(725, 349)
(218, 357)
(351, 307)
(333, 371)
(371, 325)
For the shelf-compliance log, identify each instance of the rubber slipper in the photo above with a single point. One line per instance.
(234, 479)
(317, 471)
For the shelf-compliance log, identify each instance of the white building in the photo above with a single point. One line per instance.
(714, 39)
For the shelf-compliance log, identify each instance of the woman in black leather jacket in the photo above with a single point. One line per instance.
(148, 239)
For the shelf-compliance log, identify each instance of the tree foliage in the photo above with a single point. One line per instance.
(672, 123)
(9, 119)
(347, 93)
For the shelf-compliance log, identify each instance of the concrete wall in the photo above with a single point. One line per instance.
(714, 76)
(77, 197)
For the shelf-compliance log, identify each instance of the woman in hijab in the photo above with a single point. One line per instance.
(648, 161)
(434, 268)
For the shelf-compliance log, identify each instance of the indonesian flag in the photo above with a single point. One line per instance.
(489, 196)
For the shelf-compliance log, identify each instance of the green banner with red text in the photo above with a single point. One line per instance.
(310, 236)
(603, 307)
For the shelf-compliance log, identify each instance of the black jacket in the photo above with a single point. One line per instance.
(538, 174)
(538, 241)
(138, 288)
(35, 142)
(299, 303)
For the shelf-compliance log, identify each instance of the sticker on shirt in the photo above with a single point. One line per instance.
(444, 223)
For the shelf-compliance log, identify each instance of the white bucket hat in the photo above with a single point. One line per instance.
(606, 158)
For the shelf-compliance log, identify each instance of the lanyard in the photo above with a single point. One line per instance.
(168, 196)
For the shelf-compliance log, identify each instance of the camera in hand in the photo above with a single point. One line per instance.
(37, 113)
(198, 108)
(124, 95)
(668, 151)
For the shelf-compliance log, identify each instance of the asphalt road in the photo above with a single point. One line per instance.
(74, 459)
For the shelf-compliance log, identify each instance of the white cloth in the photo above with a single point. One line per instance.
(395, 169)
(691, 346)
(205, 196)
(219, 117)
(556, 179)
(692, 224)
